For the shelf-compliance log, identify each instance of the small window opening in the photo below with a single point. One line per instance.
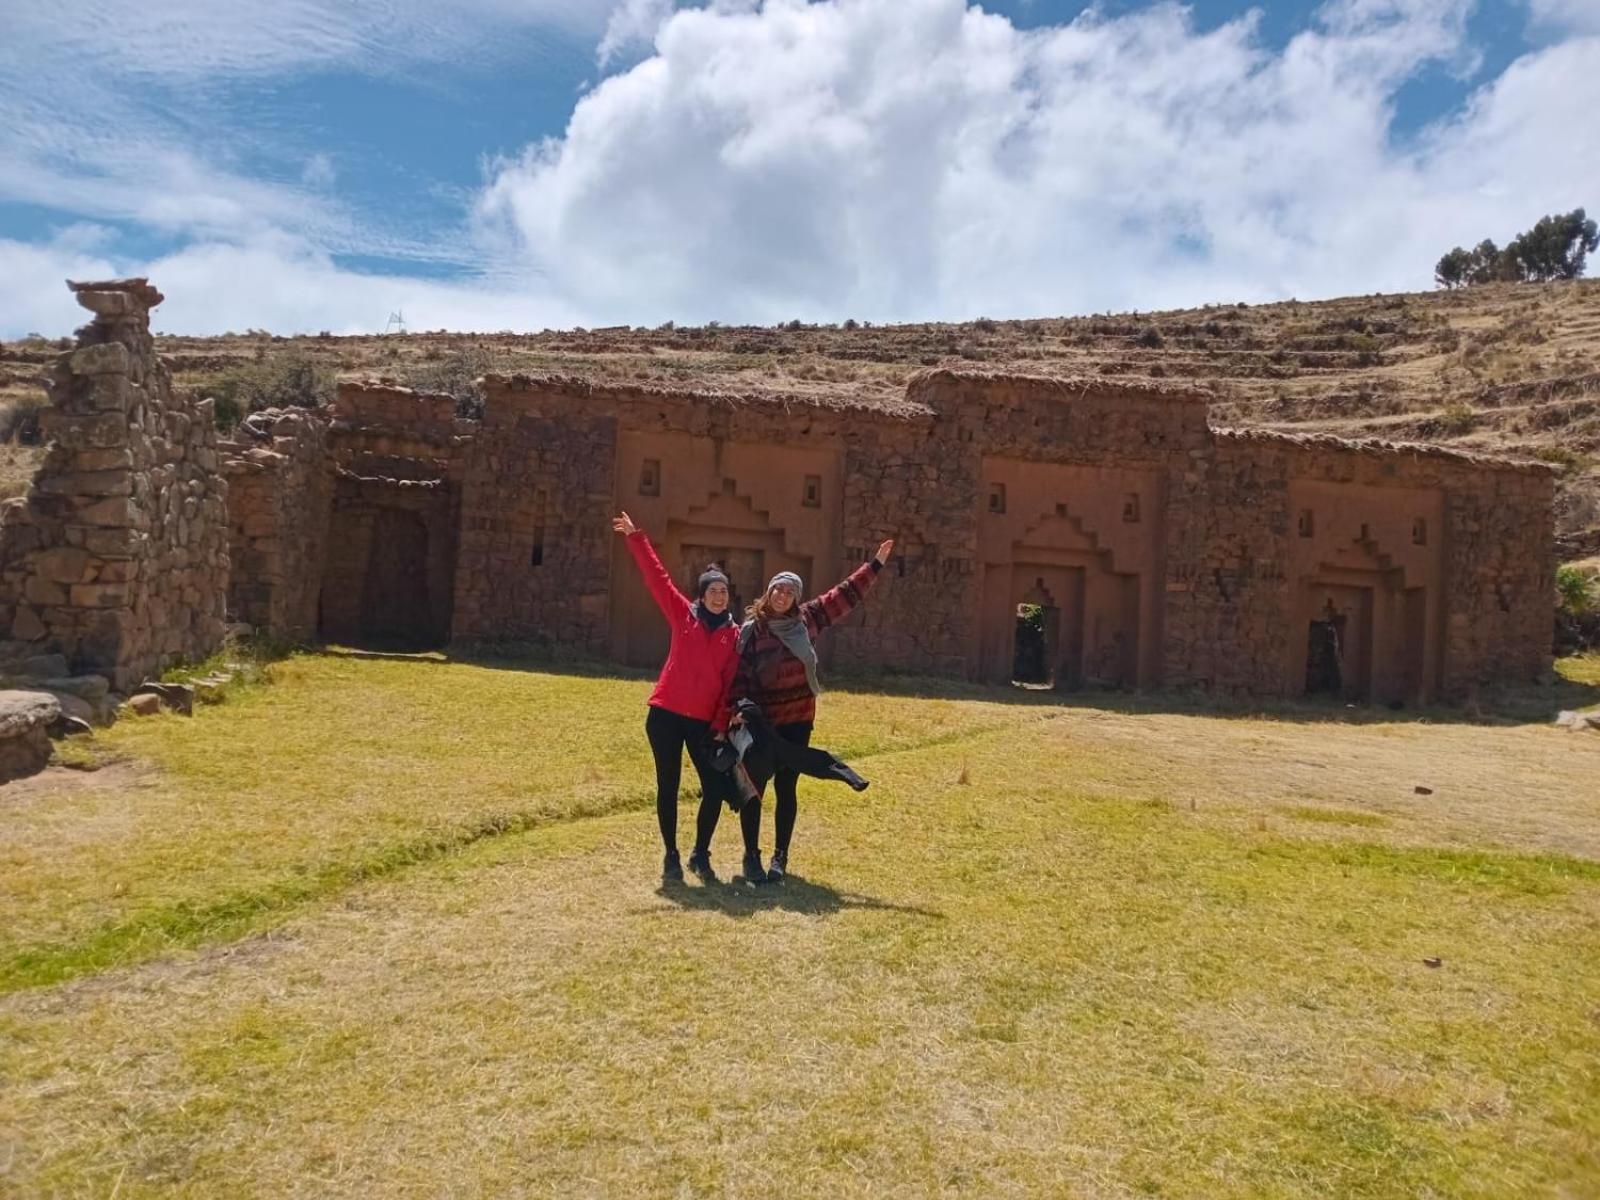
(997, 497)
(812, 497)
(650, 477)
(1130, 508)
(536, 553)
(1308, 523)
(1419, 532)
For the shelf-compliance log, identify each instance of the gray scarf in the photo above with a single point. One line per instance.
(792, 632)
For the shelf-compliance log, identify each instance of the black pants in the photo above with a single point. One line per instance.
(670, 734)
(787, 804)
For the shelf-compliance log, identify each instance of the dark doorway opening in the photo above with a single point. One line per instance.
(1033, 660)
(1325, 658)
(395, 608)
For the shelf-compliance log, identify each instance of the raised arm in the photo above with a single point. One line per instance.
(838, 602)
(672, 603)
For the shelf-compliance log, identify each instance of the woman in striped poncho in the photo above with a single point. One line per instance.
(778, 672)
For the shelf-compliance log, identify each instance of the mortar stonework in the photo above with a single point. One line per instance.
(117, 557)
(1160, 552)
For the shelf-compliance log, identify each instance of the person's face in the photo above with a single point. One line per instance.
(781, 599)
(716, 598)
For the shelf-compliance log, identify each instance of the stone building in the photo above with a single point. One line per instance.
(1134, 545)
(1158, 551)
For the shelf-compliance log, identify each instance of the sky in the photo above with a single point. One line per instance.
(526, 164)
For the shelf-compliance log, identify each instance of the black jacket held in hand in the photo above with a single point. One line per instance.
(750, 763)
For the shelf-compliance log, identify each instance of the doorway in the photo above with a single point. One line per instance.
(1325, 657)
(395, 608)
(1035, 644)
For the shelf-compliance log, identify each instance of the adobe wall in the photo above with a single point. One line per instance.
(760, 484)
(1164, 552)
(118, 555)
(280, 501)
(1436, 564)
(399, 461)
(1066, 507)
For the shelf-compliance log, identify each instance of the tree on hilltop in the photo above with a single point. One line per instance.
(1557, 247)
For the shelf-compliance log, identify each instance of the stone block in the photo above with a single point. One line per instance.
(116, 482)
(108, 393)
(102, 460)
(44, 592)
(108, 358)
(110, 543)
(65, 564)
(110, 512)
(26, 625)
(146, 705)
(99, 595)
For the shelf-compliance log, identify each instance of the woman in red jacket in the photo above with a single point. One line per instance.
(690, 702)
(778, 672)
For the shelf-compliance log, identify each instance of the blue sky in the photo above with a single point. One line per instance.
(522, 163)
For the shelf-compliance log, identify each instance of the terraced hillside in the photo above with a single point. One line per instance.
(1512, 369)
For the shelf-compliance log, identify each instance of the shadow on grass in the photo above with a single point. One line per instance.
(739, 900)
(1524, 704)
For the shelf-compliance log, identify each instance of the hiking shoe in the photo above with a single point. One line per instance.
(700, 864)
(753, 873)
(671, 868)
(778, 867)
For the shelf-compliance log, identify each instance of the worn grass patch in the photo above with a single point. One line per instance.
(1051, 951)
(345, 768)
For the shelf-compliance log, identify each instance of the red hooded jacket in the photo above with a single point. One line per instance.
(700, 665)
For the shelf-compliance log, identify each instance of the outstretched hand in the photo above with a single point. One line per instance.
(884, 551)
(624, 525)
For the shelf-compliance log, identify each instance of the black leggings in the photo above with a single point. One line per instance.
(670, 734)
(786, 805)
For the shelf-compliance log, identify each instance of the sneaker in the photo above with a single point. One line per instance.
(671, 868)
(778, 867)
(700, 864)
(753, 874)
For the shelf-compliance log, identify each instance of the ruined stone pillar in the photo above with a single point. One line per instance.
(117, 557)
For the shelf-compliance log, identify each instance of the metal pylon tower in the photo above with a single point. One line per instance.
(396, 324)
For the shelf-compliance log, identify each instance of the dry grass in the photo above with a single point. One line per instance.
(1052, 951)
(17, 467)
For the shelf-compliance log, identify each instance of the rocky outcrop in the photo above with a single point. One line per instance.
(25, 721)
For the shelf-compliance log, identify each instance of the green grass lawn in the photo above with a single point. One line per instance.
(391, 927)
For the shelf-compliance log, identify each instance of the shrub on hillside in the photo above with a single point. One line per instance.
(290, 381)
(454, 374)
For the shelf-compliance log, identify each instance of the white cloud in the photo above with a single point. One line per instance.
(632, 22)
(918, 158)
(887, 159)
(271, 282)
(1565, 16)
(198, 40)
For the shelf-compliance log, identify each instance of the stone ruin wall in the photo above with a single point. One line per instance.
(1175, 551)
(1175, 554)
(1461, 549)
(558, 457)
(1178, 546)
(399, 460)
(280, 497)
(117, 558)
(339, 512)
